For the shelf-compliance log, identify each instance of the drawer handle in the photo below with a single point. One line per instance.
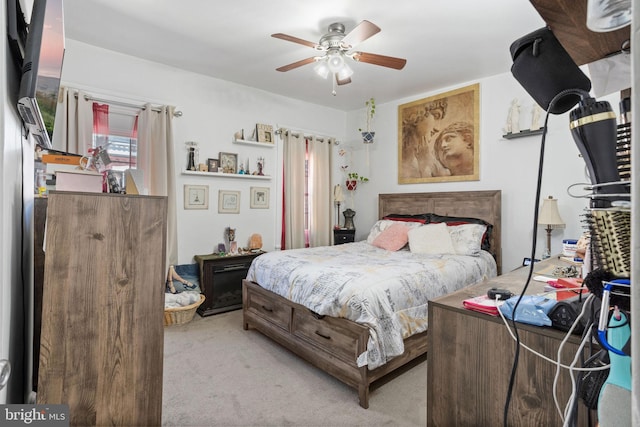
(326, 337)
(233, 267)
(267, 309)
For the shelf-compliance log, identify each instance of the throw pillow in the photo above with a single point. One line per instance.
(393, 238)
(383, 224)
(431, 239)
(467, 238)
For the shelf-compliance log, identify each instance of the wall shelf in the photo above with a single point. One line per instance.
(225, 175)
(523, 133)
(254, 143)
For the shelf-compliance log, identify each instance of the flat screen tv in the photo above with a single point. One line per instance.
(41, 70)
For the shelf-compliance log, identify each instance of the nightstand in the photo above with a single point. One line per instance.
(221, 281)
(343, 235)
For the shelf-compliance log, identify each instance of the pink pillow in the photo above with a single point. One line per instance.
(392, 238)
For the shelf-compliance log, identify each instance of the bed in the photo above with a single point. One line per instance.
(351, 336)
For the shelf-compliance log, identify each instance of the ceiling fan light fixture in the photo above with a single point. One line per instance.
(335, 61)
(345, 72)
(321, 69)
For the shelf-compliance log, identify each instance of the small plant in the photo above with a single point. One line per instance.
(371, 111)
(353, 176)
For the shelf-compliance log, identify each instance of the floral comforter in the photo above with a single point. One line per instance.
(387, 291)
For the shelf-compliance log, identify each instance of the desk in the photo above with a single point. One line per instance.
(470, 358)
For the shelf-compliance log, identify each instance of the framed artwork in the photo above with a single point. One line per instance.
(265, 133)
(212, 165)
(196, 197)
(438, 137)
(228, 162)
(259, 198)
(228, 201)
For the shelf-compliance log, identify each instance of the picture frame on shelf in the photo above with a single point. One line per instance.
(228, 201)
(228, 162)
(212, 165)
(196, 197)
(259, 198)
(265, 133)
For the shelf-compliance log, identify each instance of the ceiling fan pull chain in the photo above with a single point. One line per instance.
(333, 92)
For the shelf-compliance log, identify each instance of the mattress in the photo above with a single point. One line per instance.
(388, 291)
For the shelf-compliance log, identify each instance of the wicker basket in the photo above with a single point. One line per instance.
(181, 315)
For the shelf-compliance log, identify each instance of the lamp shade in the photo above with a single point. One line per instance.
(338, 196)
(549, 214)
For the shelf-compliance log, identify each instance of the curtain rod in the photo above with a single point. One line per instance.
(320, 138)
(125, 104)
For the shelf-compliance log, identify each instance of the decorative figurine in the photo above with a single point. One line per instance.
(535, 117)
(260, 165)
(514, 116)
(231, 237)
(348, 219)
(192, 155)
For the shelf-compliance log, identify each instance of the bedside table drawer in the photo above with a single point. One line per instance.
(343, 236)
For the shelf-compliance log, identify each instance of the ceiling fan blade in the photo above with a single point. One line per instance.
(360, 33)
(343, 81)
(296, 64)
(295, 40)
(385, 61)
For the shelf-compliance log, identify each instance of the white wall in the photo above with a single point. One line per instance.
(213, 110)
(507, 165)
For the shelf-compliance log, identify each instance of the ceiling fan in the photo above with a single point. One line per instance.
(336, 46)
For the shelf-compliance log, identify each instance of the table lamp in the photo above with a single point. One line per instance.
(550, 218)
(338, 198)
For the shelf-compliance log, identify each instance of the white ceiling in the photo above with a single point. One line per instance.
(445, 42)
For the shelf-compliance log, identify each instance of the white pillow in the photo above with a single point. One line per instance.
(383, 224)
(467, 238)
(431, 239)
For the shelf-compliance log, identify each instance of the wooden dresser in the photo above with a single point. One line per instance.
(101, 343)
(471, 355)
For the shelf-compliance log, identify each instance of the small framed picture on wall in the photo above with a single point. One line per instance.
(259, 198)
(228, 201)
(196, 197)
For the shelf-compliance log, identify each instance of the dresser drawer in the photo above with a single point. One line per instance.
(340, 342)
(264, 305)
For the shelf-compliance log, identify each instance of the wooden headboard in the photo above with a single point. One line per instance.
(486, 205)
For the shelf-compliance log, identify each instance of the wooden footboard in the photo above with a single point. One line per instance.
(329, 343)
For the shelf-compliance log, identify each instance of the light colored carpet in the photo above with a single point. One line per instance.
(217, 374)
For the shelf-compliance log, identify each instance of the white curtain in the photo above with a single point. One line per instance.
(156, 159)
(294, 190)
(319, 198)
(320, 188)
(73, 129)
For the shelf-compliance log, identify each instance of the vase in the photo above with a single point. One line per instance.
(367, 137)
(351, 184)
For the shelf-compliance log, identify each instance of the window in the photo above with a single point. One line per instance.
(116, 129)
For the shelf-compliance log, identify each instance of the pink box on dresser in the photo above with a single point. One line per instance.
(83, 181)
